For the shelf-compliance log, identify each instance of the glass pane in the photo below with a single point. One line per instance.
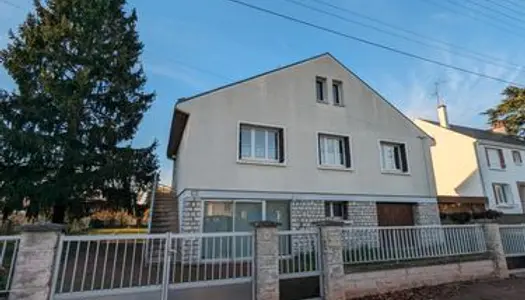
(388, 157)
(245, 214)
(218, 216)
(260, 143)
(338, 209)
(319, 87)
(330, 152)
(272, 145)
(279, 211)
(246, 142)
(336, 93)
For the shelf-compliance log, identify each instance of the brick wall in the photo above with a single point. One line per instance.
(304, 212)
(362, 214)
(377, 282)
(426, 214)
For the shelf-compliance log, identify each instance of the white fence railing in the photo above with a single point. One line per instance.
(8, 252)
(298, 253)
(198, 258)
(109, 262)
(513, 239)
(384, 244)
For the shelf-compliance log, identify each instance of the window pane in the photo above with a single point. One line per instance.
(279, 211)
(260, 143)
(246, 142)
(338, 209)
(320, 89)
(272, 145)
(328, 209)
(330, 152)
(218, 217)
(336, 92)
(388, 157)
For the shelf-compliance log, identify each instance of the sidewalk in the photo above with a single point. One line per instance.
(509, 289)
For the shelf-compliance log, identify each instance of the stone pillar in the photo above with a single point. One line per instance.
(266, 261)
(333, 275)
(495, 249)
(35, 262)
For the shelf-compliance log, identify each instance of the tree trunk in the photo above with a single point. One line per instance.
(59, 214)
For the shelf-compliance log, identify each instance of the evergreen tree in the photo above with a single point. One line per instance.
(66, 130)
(511, 111)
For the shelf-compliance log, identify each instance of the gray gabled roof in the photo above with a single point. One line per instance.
(481, 134)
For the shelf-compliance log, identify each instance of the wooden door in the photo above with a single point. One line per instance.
(395, 214)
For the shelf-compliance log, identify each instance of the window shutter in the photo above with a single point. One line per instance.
(347, 152)
(281, 145)
(404, 163)
(501, 159)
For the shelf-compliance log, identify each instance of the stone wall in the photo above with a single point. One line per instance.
(192, 212)
(305, 212)
(362, 214)
(426, 214)
(377, 282)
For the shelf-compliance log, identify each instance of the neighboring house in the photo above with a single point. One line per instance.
(474, 165)
(299, 144)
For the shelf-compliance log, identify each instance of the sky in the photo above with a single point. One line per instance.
(196, 45)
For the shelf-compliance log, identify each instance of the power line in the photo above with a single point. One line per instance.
(474, 17)
(513, 3)
(371, 43)
(454, 49)
(504, 6)
(495, 11)
(11, 4)
(483, 12)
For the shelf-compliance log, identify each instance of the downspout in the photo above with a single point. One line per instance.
(476, 146)
(152, 202)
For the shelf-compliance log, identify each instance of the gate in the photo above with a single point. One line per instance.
(513, 241)
(299, 265)
(154, 266)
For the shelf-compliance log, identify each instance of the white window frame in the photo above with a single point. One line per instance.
(381, 161)
(520, 162)
(325, 92)
(505, 191)
(281, 159)
(343, 166)
(498, 165)
(331, 205)
(339, 85)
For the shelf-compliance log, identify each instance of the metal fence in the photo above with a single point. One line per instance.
(8, 252)
(513, 239)
(298, 254)
(384, 244)
(109, 264)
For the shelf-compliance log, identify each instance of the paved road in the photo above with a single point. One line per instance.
(510, 289)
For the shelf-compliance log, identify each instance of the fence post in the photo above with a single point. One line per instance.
(167, 267)
(495, 249)
(333, 275)
(266, 261)
(35, 262)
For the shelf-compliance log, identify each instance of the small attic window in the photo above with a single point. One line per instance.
(320, 87)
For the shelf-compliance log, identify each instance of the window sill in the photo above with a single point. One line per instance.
(261, 163)
(497, 169)
(335, 168)
(339, 105)
(323, 102)
(505, 206)
(387, 172)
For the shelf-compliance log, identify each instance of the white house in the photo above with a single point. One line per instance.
(472, 163)
(299, 144)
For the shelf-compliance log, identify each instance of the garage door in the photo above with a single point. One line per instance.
(395, 214)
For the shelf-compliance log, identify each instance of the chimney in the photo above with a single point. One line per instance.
(499, 127)
(443, 116)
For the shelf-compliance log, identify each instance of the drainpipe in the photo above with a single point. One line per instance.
(152, 202)
(478, 161)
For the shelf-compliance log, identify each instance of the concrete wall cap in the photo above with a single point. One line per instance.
(265, 224)
(329, 223)
(43, 227)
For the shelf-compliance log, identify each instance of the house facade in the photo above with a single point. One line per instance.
(299, 144)
(472, 164)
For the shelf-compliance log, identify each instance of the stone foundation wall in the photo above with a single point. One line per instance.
(305, 212)
(190, 248)
(378, 282)
(426, 214)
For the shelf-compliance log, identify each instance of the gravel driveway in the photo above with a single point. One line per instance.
(509, 289)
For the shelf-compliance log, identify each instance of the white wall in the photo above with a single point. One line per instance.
(511, 175)
(207, 157)
(455, 164)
